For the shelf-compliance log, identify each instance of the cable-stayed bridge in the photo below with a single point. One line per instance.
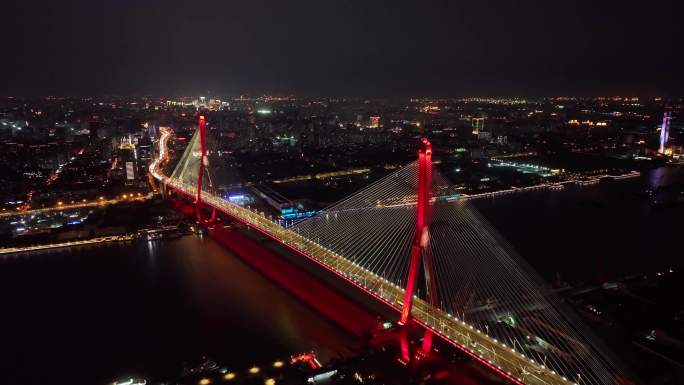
(438, 262)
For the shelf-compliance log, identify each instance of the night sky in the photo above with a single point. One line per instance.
(342, 48)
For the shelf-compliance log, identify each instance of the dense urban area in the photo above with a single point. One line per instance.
(62, 151)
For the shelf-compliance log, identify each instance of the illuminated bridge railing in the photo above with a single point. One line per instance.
(497, 355)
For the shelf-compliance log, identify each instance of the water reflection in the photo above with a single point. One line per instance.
(655, 178)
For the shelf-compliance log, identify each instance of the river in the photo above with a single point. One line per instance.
(594, 233)
(90, 315)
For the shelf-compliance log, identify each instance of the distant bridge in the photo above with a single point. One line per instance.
(81, 242)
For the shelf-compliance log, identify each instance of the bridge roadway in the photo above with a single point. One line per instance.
(75, 206)
(501, 358)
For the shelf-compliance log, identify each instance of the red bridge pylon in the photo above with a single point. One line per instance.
(203, 166)
(420, 250)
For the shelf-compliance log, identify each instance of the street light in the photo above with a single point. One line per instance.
(229, 376)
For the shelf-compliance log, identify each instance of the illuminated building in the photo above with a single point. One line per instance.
(374, 122)
(484, 135)
(478, 125)
(128, 158)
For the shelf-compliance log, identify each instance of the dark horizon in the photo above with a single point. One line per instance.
(344, 49)
(294, 96)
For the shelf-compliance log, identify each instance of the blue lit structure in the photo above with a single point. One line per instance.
(293, 213)
(664, 131)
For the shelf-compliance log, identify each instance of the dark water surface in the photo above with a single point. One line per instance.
(596, 232)
(90, 315)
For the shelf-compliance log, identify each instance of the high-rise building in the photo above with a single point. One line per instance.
(128, 158)
(374, 122)
(478, 125)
